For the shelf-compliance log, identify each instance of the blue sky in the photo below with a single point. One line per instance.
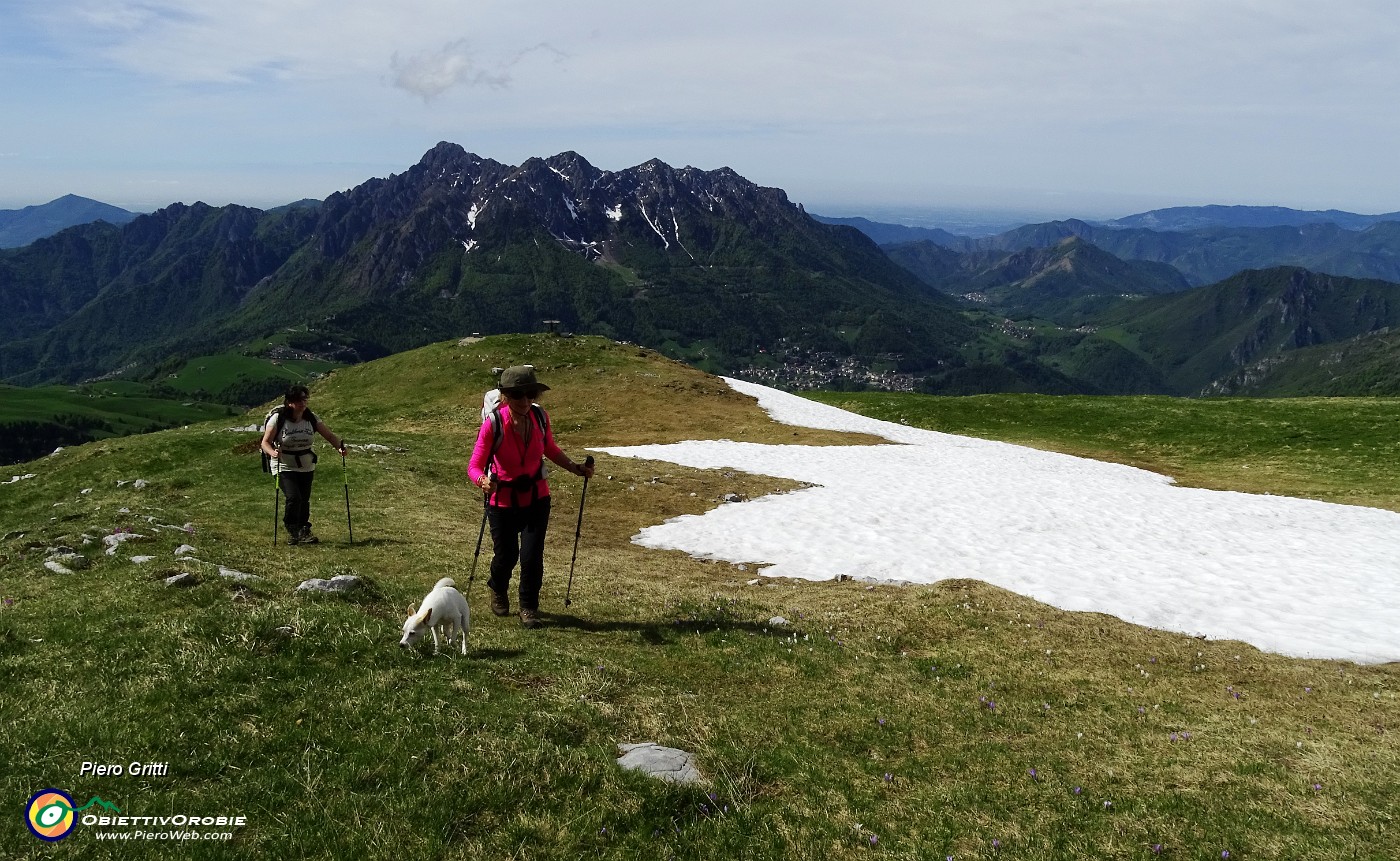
(1071, 107)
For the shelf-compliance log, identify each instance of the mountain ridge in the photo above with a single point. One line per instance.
(705, 261)
(20, 227)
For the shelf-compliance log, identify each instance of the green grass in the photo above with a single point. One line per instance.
(870, 716)
(217, 373)
(34, 421)
(126, 407)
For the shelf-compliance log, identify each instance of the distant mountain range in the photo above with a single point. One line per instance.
(1215, 339)
(1184, 218)
(890, 234)
(1271, 299)
(20, 227)
(1067, 282)
(716, 270)
(1208, 255)
(703, 263)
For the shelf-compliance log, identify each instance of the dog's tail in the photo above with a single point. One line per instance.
(446, 581)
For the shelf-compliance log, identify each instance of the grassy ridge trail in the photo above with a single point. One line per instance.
(955, 720)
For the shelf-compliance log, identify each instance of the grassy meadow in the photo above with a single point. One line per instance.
(948, 721)
(226, 372)
(119, 407)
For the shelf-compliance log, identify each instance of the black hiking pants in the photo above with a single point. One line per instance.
(517, 535)
(296, 487)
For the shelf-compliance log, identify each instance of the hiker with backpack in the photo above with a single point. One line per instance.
(508, 465)
(286, 445)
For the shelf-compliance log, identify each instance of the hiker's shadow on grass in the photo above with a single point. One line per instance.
(375, 542)
(495, 654)
(656, 633)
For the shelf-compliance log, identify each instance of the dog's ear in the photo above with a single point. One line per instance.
(428, 615)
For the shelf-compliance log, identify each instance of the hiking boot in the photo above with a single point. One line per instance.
(306, 537)
(529, 618)
(293, 538)
(500, 604)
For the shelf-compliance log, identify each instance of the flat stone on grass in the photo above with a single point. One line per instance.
(338, 583)
(663, 763)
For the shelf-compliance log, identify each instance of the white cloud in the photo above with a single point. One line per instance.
(431, 73)
(428, 74)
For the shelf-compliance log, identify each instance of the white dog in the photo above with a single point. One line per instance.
(443, 609)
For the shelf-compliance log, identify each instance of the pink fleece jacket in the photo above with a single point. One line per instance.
(514, 458)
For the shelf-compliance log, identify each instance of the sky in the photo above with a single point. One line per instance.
(1291, 576)
(1087, 108)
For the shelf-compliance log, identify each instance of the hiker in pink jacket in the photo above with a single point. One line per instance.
(508, 464)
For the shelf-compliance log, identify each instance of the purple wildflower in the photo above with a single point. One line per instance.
(889, 778)
(1078, 790)
(1157, 849)
(1034, 775)
(874, 839)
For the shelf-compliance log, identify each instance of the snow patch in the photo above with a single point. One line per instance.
(1294, 576)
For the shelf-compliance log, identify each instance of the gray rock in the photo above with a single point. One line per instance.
(236, 575)
(120, 538)
(57, 568)
(72, 560)
(184, 550)
(777, 621)
(142, 560)
(338, 583)
(182, 580)
(663, 763)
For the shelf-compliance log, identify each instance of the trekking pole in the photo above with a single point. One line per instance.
(588, 461)
(276, 504)
(346, 476)
(485, 504)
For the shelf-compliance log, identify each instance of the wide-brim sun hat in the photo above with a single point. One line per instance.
(521, 377)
